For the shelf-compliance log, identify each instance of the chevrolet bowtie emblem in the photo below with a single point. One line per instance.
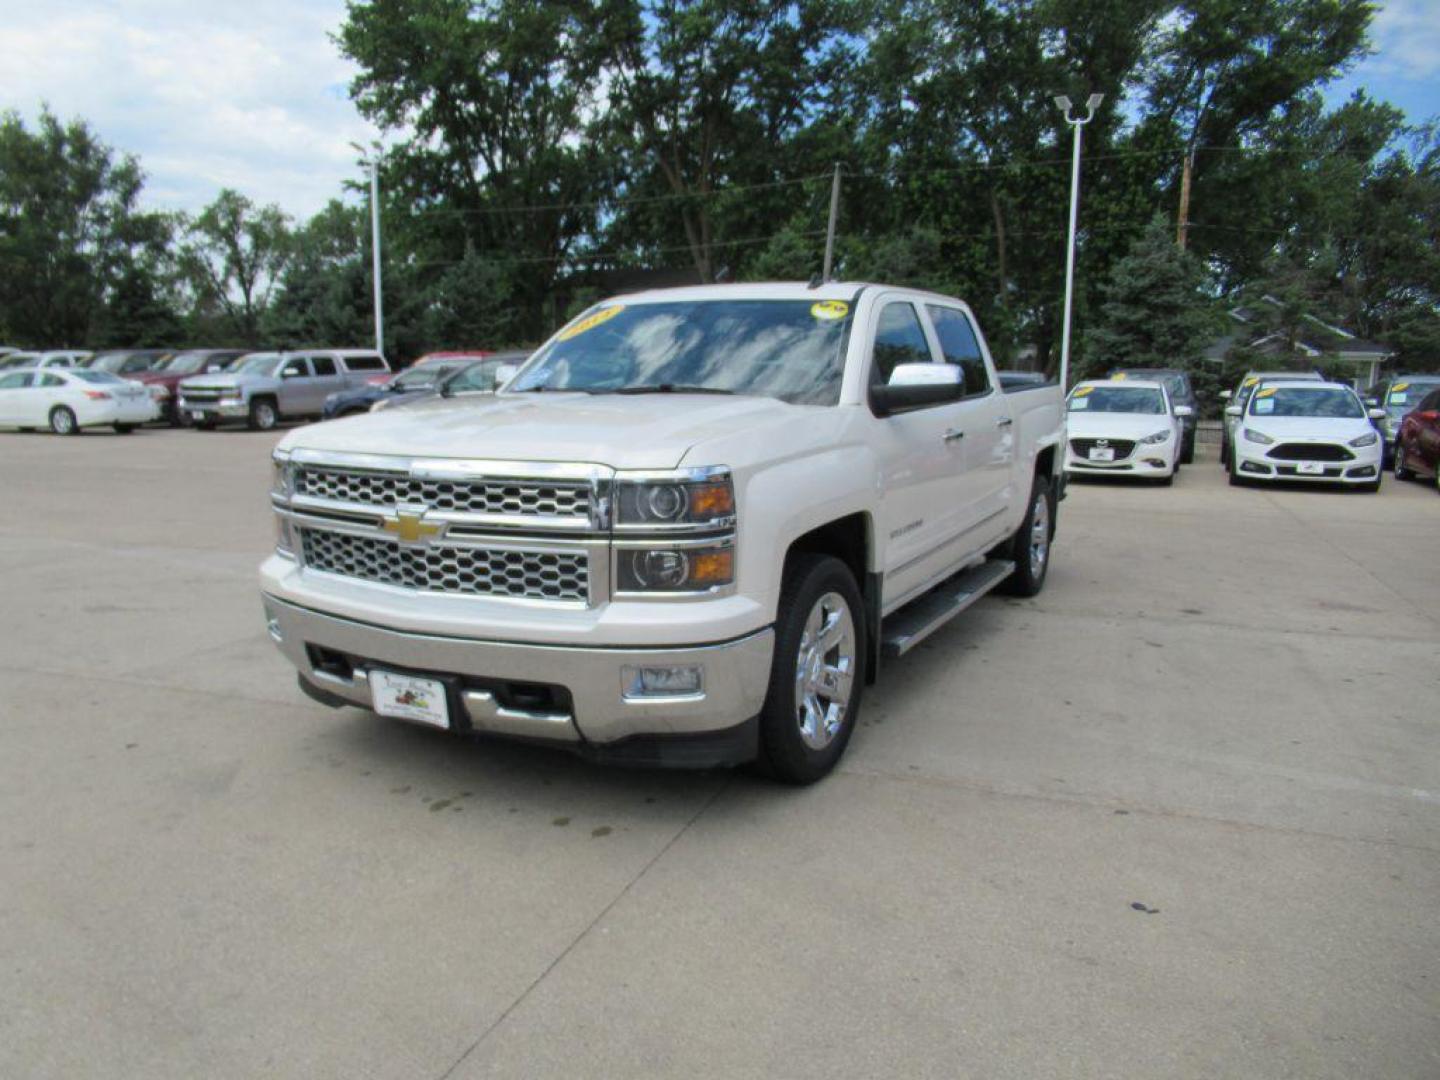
(411, 527)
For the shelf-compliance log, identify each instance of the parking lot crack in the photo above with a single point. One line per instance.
(586, 930)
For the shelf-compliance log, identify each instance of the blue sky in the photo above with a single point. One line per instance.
(253, 95)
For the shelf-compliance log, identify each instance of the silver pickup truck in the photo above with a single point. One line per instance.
(265, 388)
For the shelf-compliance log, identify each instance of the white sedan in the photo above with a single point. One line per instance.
(68, 399)
(1317, 431)
(1124, 428)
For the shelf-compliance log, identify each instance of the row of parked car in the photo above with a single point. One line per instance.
(1278, 425)
(69, 390)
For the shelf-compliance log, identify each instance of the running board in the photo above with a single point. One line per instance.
(920, 618)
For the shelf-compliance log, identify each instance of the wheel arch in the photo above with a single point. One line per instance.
(851, 539)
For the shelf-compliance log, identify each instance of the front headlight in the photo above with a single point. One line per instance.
(282, 475)
(1251, 435)
(675, 568)
(1158, 437)
(689, 500)
(1368, 439)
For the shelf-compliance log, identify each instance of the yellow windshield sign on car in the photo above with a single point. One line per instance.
(589, 322)
(1252, 380)
(1399, 386)
(1119, 376)
(1082, 391)
(1269, 391)
(830, 309)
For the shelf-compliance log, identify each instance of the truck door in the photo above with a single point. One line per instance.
(297, 387)
(922, 460)
(987, 420)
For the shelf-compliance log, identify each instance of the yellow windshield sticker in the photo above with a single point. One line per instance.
(1252, 380)
(1269, 391)
(1082, 391)
(589, 322)
(1119, 376)
(1399, 386)
(830, 309)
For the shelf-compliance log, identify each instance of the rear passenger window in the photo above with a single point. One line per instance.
(961, 348)
(365, 363)
(324, 365)
(50, 380)
(899, 339)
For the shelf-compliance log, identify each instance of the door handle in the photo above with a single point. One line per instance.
(953, 435)
(1004, 421)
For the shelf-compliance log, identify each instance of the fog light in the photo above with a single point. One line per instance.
(639, 683)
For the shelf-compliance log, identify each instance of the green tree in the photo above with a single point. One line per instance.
(1155, 311)
(324, 295)
(233, 255)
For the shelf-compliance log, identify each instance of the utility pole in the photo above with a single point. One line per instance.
(1076, 123)
(830, 229)
(375, 251)
(1183, 232)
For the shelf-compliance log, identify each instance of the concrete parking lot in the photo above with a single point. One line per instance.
(1177, 816)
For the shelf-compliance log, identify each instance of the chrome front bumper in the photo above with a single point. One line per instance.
(736, 675)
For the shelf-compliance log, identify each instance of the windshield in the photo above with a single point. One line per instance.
(792, 350)
(110, 361)
(19, 359)
(1404, 396)
(1117, 399)
(1325, 401)
(182, 364)
(257, 364)
(420, 378)
(90, 375)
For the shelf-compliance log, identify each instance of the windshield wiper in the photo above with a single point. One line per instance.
(670, 388)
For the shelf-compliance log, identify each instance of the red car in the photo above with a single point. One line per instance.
(164, 379)
(1417, 447)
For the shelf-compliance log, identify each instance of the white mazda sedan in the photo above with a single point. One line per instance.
(1124, 428)
(1314, 431)
(65, 400)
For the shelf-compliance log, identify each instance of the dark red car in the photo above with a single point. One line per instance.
(1417, 447)
(182, 365)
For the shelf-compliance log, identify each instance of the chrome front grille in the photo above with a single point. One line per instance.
(444, 568)
(193, 393)
(489, 495)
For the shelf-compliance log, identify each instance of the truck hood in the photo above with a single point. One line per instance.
(645, 431)
(218, 381)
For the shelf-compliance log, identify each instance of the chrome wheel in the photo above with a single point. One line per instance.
(264, 415)
(62, 421)
(824, 671)
(1039, 534)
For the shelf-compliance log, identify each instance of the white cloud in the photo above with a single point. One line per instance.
(249, 96)
(1406, 36)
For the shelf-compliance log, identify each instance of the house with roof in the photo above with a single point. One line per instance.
(1310, 342)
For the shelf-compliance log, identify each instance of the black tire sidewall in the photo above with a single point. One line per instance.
(256, 407)
(74, 420)
(1022, 582)
(807, 579)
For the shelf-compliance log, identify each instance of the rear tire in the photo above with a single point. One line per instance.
(205, 425)
(123, 429)
(1029, 547)
(1187, 453)
(1402, 472)
(63, 422)
(263, 416)
(820, 651)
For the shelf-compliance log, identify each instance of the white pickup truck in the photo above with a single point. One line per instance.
(685, 533)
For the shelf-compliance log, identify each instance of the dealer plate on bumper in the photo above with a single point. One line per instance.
(1310, 468)
(1102, 453)
(407, 697)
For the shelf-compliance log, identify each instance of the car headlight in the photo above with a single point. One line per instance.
(687, 500)
(1251, 435)
(1158, 437)
(282, 475)
(674, 568)
(1368, 439)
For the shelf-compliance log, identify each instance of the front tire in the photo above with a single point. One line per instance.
(818, 672)
(1029, 547)
(263, 416)
(63, 422)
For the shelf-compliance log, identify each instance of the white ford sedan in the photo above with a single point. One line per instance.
(68, 399)
(1124, 428)
(1314, 431)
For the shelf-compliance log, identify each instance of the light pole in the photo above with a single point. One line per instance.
(1077, 123)
(375, 251)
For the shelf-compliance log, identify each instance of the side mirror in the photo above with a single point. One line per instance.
(504, 373)
(1184, 410)
(291, 373)
(1225, 395)
(1233, 410)
(914, 386)
(1377, 414)
(1372, 402)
